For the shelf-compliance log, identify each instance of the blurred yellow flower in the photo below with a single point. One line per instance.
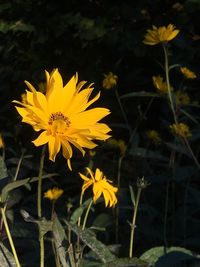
(160, 84)
(62, 117)
(154, 137)
(160, 34)
(101, 185)
(119, 144)
(188, 73)
(54, 193)
(181, 129)
(1, 141)
(182, 98)
(110, 80)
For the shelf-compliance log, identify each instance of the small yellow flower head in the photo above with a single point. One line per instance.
(160, 84)
(178, 6)
(182, 98)
(154, 137)
(188, 73)
(1, 141)
(119, 144)
(101, 185)
(110, 80)
(53, 194)
(180, 129)
(62, 117)
(160, 35)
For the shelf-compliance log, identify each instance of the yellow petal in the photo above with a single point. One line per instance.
(54, 147)
(42, 139)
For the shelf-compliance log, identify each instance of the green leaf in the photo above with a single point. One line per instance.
(3, 169)
(13, 185)
(44, 226)
(6, 258)
(126, 262)
(95, 245)
(152, 255)
(140, 94)
(177, 147)
(60, 239)
(79, 211)
(146, 153)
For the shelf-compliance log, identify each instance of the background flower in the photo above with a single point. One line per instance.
(54, 193)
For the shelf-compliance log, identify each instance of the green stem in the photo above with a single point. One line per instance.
(133, 225)
(86, 215)
(39, 205)
(10, 237)
(168, 83)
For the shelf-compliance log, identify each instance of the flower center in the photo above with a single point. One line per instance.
(58, 123)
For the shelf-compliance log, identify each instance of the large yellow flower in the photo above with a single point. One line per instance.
(62, 117)
(160, 34)
(101, 185)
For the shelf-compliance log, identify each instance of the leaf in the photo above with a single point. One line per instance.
(44, 226)
(60, 239)
(177, 147)
(6, 258)
(127, 262)
(79, 211)
(95, 245)
(3, 169)
(140, 94)
(152, 255)
(9, 187)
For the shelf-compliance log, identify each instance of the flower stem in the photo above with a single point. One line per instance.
(86, 215)
(168, 83)
(39, 205)
(133, 222)
(9, 237)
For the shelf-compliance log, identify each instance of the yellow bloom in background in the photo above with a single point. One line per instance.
(1, 142)
(110, 80)
(160, 34)
(119, 144)
(154, 137)
(188, 73)
(160, 84)
(101, 185)
(54, 193)
(182, 98)
(181, 129)
(62, 117)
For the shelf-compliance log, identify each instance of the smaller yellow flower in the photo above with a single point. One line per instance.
(160, 84)
(182, 98)
(188, 73)
(160, 34)
(110, 80)
(1, 142)
(53, 194)
(180, 129)
(119, 144)
(154, 137)
(101, 185)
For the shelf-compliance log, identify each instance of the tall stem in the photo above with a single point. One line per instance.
(10, 237)
(39, 206)
(168, 83)
(86, 214)
(133, 222)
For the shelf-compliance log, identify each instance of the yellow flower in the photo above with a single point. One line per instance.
(154, 137)
(160, 34)
(101, 185)
(159, 84)
(54, 193)
(181, 129)
(118, 143)
(62, 117)
(182, 98)
(1, 142)
(188, 73)
(110, 80)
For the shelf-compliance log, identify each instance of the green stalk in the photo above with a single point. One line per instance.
(86, 214)
(168, 83)
(39, 206)
(10, 237)
(134, 221)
